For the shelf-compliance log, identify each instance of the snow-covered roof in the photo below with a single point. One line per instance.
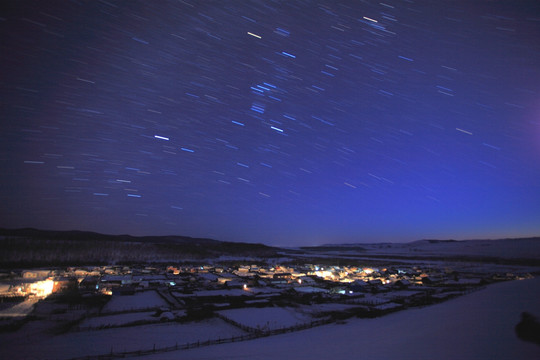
(309, 289)
(387, 306)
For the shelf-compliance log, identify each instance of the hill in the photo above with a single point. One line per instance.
(32, 247)
(523, 250)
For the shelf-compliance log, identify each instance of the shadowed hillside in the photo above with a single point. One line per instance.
(31, 247)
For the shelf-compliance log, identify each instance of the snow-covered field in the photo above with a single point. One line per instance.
(269, 318)
(317, 309)
(506, 248)
(138, 301)
(117, 320)
(20, 309)
(125, 319)
(479, 325)
(82, 343)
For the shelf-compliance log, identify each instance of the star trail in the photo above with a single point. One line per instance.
(282, 122)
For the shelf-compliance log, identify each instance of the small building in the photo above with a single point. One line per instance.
(283, 275)
(310, 290)
(402, 284)
(64, 283)
(35, 274)
(306, 280)
(223, 278)
(358, 286)
(89, 284)
(236, 284)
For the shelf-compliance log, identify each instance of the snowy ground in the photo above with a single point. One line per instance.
(82, 343)
(505, 249)
(117, 320)
(479, 325)
(317, 309)
(138, 301)
(19, 309)
(269, 318)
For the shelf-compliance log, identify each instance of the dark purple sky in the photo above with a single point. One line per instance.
(283, 122)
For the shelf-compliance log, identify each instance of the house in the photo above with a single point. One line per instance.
(147, 280)
(63, 283)
(242, 271)
(223, 278)
(402, 284)
(283, 275)
(35, 274)
(310, 290)
(173, 270)
(277, 281)
(5, 289)
(429, 280)
(298, 274)
(209, 277)
(80, 273)
(89, 284)
(109, 282)
(236, 284)
(306, 280)
(358, 286)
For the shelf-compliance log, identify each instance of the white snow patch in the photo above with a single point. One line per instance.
(269, 318)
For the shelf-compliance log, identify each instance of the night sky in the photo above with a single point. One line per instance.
(282, 122)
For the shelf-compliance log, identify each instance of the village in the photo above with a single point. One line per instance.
(192, 288)
(239, 302)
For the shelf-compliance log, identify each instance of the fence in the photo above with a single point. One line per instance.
(251, 335)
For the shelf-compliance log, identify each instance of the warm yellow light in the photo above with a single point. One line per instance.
(42, 288)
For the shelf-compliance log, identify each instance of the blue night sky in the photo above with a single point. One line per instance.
(282, 122)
